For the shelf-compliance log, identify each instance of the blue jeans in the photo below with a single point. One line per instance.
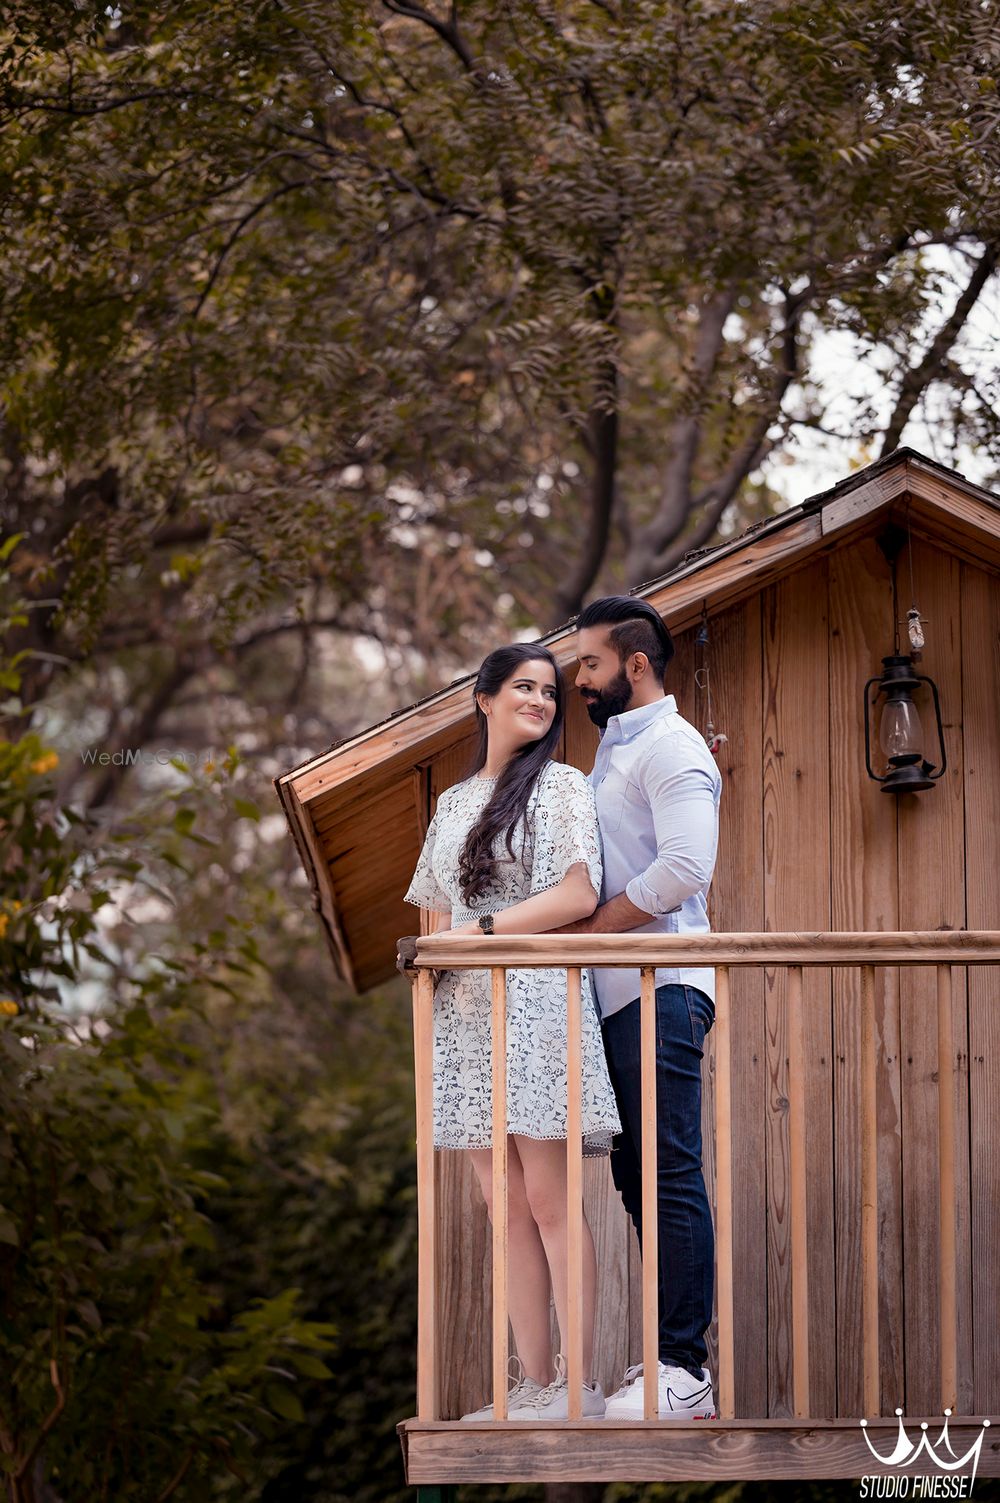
(686, 1241)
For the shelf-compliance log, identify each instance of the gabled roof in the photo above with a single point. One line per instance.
(363, 802)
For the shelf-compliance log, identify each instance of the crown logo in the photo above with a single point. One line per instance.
(906, 1451)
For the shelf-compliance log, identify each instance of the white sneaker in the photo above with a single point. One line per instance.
(681, 1396)
(523, 1389)
(552, 1401)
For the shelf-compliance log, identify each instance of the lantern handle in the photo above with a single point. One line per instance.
(922, 678)
(868, 748)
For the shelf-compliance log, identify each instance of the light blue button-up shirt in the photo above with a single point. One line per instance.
(657, 788)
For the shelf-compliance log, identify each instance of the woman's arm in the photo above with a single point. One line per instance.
(572, 898)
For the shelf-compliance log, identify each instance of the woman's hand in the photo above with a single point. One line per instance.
(406, 953)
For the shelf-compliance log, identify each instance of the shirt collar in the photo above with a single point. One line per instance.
(630, 722)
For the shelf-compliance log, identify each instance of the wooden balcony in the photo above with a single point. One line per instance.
(800, 1445)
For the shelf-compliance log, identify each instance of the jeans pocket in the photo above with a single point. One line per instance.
(701, 1014)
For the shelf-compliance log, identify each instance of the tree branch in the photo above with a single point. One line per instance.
(447, 30)
(918, 377)
(682, 441)
(602, 429)
(749, 454)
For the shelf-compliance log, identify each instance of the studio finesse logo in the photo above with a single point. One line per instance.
(905, 1452)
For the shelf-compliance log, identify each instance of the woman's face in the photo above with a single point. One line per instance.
(524, 706)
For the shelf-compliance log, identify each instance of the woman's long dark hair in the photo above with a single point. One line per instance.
(509, 802)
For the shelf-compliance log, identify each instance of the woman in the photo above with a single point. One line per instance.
(518, 840)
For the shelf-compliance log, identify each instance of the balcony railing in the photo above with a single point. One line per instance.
(792, 952)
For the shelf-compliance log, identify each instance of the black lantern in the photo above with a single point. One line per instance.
(901, 735)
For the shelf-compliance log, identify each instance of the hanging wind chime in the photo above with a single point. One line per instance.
(703, 678)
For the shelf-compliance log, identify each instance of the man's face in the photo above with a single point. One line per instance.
(603, 684)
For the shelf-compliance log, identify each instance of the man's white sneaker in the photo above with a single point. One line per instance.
(523, 1388)
(681, 1396)
(552, 1401)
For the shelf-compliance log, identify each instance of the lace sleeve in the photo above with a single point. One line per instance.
(566, 829)
(425, 891)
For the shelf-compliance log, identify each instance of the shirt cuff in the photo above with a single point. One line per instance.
(643, 896)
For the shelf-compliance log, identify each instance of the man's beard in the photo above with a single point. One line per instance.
(613, 699)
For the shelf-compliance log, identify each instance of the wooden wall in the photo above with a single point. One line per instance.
(809, 842)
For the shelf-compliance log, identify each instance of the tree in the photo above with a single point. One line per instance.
(437, 320)
(129, 1372)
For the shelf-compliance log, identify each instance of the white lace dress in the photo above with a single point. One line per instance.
(560, 829)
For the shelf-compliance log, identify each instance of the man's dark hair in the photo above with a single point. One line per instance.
(635, 626)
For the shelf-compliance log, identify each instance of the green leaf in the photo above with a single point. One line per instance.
(284, 1402)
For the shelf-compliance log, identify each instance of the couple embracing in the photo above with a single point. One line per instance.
(526, 845)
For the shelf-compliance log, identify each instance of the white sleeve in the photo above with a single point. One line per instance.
(425, 891)
(565, 829)
(683, 799)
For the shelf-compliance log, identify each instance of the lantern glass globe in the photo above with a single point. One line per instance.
(900, 733)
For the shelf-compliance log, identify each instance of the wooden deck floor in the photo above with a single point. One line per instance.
(665, 1451)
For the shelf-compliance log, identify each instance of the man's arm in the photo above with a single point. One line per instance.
(616, 916)
(685, 821)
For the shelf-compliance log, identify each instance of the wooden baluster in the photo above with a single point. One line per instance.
(500, 1351)
(797, 1199)
(947, 1285)
(423, 1061)
(650, 1250)
(573, 1335)
(724, 1193)
(869, 1195)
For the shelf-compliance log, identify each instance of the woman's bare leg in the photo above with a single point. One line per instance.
(529, 1289)
(543, 1165)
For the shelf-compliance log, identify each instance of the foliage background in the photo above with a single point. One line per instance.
(339, 342)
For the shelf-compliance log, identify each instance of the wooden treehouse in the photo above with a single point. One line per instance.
(852, 1080)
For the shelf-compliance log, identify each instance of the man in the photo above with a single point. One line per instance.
(657, 789)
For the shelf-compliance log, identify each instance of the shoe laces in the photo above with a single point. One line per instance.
(519, 1384)
(545, 1395)
(631, 1373)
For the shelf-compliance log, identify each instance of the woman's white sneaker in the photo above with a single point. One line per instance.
(681, 1395)
(524, 1388)
(552, 1401)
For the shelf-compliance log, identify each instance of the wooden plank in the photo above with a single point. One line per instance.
(314, 864)
(450, 767)
(947, 1285)
(864, 501)
(612, 1231)
(910, 947)
(574, 1195)
(736, 903)
(465, 1295)
(797, 1201)
(980, 600)
(954, 512)
(580, 733)
(423, 1064)
(650, 1180)
(724, 1195)
(931, 841)
(667, 1451)
(797, 893)
(864, 895)
(499, 1146)
(869, 1200)
(342, 819)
